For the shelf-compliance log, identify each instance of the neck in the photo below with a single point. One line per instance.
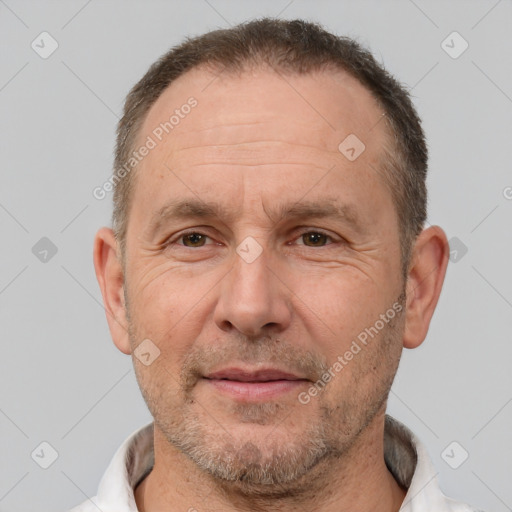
(359, 481)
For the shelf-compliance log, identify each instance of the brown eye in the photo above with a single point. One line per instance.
(314, 239)
(193, 240)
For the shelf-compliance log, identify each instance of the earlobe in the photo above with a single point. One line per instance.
(109, 273)
(424, 283)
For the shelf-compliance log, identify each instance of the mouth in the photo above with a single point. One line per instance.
(258, 385)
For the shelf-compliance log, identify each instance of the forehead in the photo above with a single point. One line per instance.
(319, 108)
(258, 136)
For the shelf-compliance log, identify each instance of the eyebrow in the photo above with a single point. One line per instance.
(182, 209)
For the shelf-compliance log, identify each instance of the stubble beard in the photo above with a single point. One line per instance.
(279, 464)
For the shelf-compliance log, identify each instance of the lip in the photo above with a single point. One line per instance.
(262, 375)
(254, 385)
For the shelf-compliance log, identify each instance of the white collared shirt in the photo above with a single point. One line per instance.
(405, 456)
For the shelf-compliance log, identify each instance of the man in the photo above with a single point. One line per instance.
(266, 267)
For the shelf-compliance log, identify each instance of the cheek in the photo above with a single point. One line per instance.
(167, 307)
(340, 305)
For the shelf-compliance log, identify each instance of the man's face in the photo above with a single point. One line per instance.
(275, 254)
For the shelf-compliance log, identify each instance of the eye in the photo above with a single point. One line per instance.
(193, 239)
(315, 239)
(192, 245)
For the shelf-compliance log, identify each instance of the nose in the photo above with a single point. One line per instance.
(253, 300)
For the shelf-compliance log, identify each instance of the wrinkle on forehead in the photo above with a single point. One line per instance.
(250, 153)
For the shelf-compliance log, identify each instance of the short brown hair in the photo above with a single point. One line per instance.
(299, 47)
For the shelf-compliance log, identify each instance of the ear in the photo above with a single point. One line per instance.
(109, 273)
(425, 279)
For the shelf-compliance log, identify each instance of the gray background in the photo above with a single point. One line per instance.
(62, 379)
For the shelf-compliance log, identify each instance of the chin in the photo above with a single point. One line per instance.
(263, 453)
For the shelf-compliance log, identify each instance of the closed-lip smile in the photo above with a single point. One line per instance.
(254, 385)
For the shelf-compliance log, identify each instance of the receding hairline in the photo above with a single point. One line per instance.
(217, 71)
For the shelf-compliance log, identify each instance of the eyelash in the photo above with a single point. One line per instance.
(174, 240)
